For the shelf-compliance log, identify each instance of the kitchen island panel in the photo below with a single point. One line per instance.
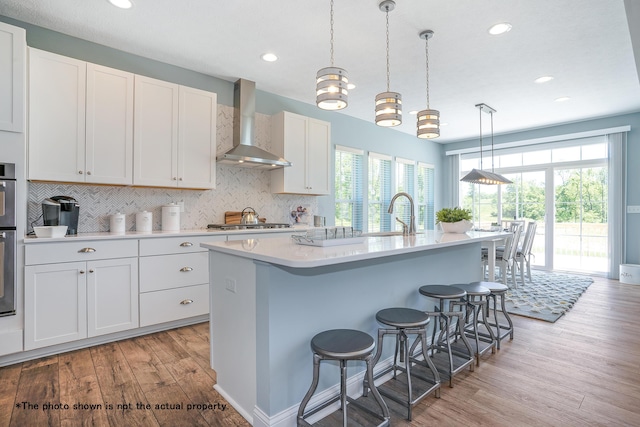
(293, 304)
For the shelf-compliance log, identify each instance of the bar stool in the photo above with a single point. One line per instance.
(499, 290)
(452, 294)
(477, 301)
(342, 345)
(403, 322)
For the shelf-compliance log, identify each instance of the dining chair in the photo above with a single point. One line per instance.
(523, 254)
(505, 259)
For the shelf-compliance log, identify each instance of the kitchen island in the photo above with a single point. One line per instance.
(269, 297)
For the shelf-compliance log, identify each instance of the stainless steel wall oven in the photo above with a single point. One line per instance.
(7, 239)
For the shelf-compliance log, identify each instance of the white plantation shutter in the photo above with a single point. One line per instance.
(379, 194)
(349, 187)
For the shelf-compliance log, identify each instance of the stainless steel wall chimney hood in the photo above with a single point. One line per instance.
(244, 153)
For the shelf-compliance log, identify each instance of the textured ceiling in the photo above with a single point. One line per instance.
(584, 44)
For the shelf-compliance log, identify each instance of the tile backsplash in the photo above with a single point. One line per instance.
(236, 189)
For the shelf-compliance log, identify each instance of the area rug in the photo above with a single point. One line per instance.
(549, 296)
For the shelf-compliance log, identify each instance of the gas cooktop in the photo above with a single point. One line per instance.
(261, 225)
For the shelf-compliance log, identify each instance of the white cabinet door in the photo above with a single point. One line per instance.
(13, 48)
(305, 142)
(57, 87)
(112, 295)
(155, 133)
(109, 126)
(55, 304)
(318, 155)
(197, 138)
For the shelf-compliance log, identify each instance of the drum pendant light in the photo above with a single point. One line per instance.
(388, 104)
(331, 83)
(428, 120)
(481, 176)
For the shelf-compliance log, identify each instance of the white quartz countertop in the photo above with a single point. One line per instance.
(286, 252)
(155, 234)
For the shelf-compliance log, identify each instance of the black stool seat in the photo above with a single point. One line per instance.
(402, 317)
(442, 291)
(343, 344)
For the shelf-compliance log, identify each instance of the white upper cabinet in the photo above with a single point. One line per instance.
(305, 142)
(109, 126)
(57, 95)
(13, 48)
(156, 133)
(80, 121)
(197, 138)
(175, 135)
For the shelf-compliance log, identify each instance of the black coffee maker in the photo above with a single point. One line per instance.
(61, 210)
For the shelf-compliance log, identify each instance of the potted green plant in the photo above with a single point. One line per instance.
(454, 220)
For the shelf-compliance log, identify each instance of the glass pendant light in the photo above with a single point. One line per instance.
(428, 120)
(388, 104)
(480, 176)
(331, 83)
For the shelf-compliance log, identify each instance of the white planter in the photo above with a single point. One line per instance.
(456, 227)
(630, 274)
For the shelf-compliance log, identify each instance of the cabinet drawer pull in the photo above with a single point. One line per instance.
(86, 250)
(186, 301)
(81, 271)
(186, 269)
(186, 244)
(91, 270)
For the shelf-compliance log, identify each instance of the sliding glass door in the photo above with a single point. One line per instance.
(580, 227)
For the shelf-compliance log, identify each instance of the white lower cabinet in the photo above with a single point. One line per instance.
(67, 301)
(174, 278)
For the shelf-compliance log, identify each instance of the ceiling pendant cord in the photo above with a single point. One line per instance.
(480, 176)
(388, 105)
(428, 124)
(331, 82)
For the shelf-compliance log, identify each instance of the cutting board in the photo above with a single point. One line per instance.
(233, 217)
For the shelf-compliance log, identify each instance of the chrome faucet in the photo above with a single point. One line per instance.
(411, 230)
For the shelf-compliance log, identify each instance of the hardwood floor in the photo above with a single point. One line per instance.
(583, 370)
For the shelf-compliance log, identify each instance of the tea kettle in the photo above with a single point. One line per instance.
(249, 217)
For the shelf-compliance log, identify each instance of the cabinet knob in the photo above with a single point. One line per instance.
(81, 271)
(86, 250)
(91, 270)
(180, 178)
(186, 244)
(186, 269)
(186, 301)
(175, 179)
(80, 172)
(88, 172)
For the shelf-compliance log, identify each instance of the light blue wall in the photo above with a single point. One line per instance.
(632, 238)
(345, 130)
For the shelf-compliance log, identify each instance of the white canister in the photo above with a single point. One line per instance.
(144, 222)
(117, 223)
(171, 217)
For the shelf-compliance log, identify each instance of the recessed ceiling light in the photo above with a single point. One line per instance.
(500, 28)
(122, 4)
(269, 57)
(562, 99)
(543, 79)
(351, 86)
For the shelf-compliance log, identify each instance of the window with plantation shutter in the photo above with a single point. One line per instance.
(404, 182)
(380, 193)
(348, 187)
(425, 210)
